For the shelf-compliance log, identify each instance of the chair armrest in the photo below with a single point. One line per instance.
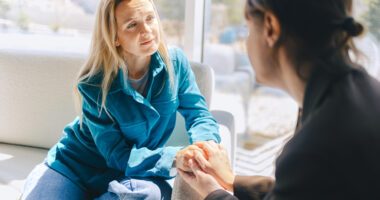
(247, 69)
(224, 118)
(227, 133)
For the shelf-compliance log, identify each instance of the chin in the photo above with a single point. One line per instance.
(151, 51)
(263, 81)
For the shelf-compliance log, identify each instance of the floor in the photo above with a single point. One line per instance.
(271, 121)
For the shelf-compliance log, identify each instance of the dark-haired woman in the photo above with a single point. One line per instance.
(305, 48)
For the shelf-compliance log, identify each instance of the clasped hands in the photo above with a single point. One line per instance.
(205, 167)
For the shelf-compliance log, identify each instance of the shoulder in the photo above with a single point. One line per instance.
(176, 54)
(347, 109)
(179, 60)
(357, 92)
(90, 87)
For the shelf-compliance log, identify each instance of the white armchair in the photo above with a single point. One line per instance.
(205, 79)
(36, 103)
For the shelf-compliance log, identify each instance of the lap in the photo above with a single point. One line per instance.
(45, 183)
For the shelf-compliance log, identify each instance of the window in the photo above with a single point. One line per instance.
(367, 12)
(172, 15)
(225, 51)
(66, 25)
(47, 25)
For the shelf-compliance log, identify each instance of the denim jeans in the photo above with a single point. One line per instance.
(44, 183)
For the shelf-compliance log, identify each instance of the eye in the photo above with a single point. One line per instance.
(150, 18)
(131, 25)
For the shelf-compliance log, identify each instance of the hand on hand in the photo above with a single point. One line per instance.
(182, 157)
(201, 182)
(216, 163)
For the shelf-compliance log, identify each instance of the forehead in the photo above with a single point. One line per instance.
(132, 8)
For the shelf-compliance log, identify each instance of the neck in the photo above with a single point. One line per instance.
(291, 82)
(137, 66)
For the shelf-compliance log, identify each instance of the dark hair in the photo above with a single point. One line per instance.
(318, 31)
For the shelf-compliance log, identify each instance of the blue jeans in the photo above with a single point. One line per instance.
(44, 183)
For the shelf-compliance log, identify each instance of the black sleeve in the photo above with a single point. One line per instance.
(252, 187)
(220, 195)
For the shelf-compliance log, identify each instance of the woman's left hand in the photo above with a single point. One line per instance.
(182, 157)
(201, 182)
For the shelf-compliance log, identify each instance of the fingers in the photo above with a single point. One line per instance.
(193, 147)
(194, 167)
(201, 160)
(209, 148)
(186, 176)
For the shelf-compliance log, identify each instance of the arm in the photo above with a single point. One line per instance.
(220, 195)
(118, 152)
(200, 123)
(252, 187)
(245, 187)
(216, 164)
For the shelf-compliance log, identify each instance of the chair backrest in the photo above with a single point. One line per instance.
(36, 96)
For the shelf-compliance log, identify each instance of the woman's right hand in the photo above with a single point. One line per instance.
(184, 155)
(215, 163)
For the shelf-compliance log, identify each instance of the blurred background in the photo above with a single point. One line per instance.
(209, 31)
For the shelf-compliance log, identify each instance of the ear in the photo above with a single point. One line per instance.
(272, 29)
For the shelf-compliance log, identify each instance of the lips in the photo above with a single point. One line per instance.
(146, 42)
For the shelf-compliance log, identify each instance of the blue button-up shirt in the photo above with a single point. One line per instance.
(130, 139)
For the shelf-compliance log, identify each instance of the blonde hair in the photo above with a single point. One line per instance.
(106, 58)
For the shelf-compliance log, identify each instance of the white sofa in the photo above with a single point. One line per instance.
(36, 103)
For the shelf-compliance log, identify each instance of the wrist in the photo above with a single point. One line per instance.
(230, 183)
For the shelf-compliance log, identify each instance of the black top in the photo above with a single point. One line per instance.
(335, 154)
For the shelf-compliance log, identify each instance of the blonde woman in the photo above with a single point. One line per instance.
(130, 89)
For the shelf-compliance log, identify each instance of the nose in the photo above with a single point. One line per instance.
(145, 29)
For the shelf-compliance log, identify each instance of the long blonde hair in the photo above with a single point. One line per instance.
(106, 58)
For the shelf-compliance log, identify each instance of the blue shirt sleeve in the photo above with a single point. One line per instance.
(200, 124)
(118, 152)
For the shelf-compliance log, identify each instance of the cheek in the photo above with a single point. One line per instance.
(156, 32)
(252, 51)
(257, 56)
(128, 41)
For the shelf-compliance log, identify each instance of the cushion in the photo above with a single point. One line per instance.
(15, 164)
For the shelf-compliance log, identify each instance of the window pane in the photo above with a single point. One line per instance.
(54, 25)
(263, 115)
(66, 25)
(368, 12)
(172, 15)
(225, 51)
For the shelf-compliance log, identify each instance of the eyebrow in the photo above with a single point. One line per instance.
(133, 18)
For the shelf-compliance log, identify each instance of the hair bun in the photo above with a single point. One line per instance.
(352, 27)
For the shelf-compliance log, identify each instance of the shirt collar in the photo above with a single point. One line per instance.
(120, 82)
